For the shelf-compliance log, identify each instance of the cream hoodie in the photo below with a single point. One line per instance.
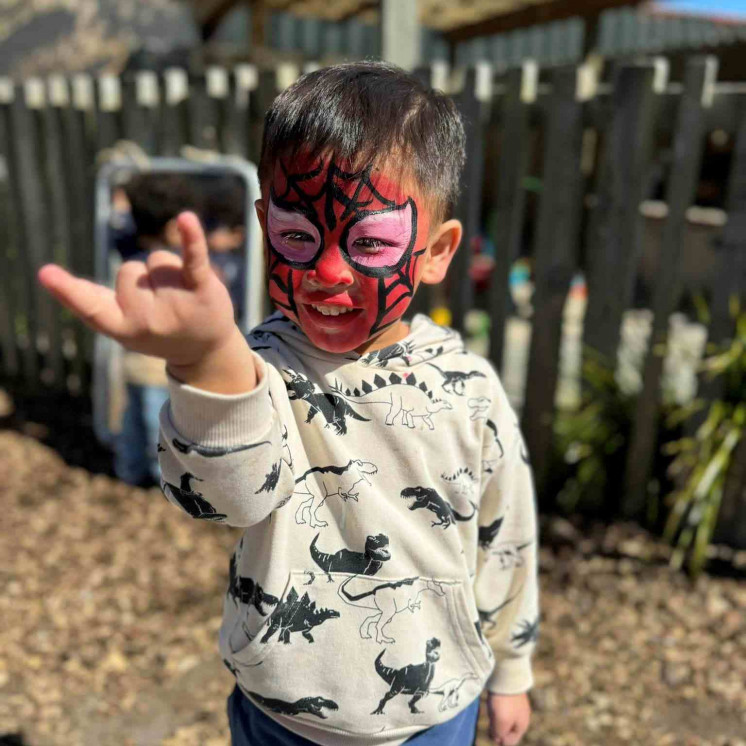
(388, 567)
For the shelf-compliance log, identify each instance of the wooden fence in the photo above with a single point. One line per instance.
(591, 144)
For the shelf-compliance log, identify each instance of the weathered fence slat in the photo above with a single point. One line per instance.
(173, 131)
(687, 156)
(108, 103)
(555, 255)
(520, 93)
(9, 245)
(28, 202)
(48, 170)
(80, 154)
(469, 204)
(615, 222)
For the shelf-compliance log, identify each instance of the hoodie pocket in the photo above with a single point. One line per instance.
(383, 655)
(253, 634)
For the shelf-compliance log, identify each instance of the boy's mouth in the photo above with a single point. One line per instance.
(331, 314)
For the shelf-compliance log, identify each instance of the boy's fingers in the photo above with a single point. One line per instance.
(194, 245)
(95, 304)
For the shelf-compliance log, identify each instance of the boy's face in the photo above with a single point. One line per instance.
(344, 251)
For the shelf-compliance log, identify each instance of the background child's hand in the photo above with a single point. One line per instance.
(510, 715)
(171, 306)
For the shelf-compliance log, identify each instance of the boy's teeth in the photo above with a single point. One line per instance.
(331, 310)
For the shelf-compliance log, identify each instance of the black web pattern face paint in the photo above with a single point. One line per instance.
(326, 214)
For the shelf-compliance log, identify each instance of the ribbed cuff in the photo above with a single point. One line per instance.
(221, 420)
(511, 676)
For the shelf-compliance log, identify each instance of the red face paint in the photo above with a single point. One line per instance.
(343, 251)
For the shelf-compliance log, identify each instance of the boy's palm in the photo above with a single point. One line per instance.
(174, 307)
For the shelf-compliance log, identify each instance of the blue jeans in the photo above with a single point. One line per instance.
(135, 454)
(251, 727)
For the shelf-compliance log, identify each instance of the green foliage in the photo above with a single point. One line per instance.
(702, 462)
(591, 441)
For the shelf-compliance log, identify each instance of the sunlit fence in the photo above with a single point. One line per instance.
(563, 166)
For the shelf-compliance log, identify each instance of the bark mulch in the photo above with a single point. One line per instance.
(112, 598)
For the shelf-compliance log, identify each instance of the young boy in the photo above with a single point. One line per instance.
(387, 571)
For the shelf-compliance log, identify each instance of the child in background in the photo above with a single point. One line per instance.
(387, 571)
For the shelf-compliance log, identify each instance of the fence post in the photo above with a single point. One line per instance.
(80, 128)
(108, 111)
(687, 154)
(614, 243)
(555, 251)
(173, 132)
(520, 94)
(469, 203)
(9, 244)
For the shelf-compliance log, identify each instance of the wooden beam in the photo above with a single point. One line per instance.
(546, 12)
(209, 24)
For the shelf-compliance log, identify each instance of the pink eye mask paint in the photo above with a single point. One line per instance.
(280, 222)
(395, 229)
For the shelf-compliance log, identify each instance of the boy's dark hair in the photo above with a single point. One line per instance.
(156, 198)
(361, 110)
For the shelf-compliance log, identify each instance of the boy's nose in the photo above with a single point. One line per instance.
(330, 269)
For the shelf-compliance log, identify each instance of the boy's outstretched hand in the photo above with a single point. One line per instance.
(171, 306)
(509, 717)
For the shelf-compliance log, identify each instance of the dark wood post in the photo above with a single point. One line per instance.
(687, 154)
(556, 252)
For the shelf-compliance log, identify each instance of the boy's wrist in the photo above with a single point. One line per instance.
(227, 369)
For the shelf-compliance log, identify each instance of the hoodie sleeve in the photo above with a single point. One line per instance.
(506, 583)
(225, 458)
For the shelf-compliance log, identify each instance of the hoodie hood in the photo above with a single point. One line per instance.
(425, 341)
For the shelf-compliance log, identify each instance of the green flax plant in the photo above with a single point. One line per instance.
(590, 443)
(701, 461)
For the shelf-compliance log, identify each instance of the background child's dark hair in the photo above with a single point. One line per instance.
(157, 198)
(364, 111)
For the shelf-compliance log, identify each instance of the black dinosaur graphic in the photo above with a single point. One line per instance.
(333, 408)
(304, 706)
(208, 452)
(271, 479)
(487, 616)
(492, 426)
(414, 679)
(190, 500)
(404, 396)
(297, 615)
(487, 534)
(425, 497)
(381, 358)
(243, 589)
(454, 381)
(273, 476)
(367, 562)
(529, 632)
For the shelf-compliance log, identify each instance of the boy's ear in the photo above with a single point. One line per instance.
(443, 245)
(260, 211)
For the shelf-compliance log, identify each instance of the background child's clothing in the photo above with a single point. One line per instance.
(251, 727)
(389, 556)
(135, 449)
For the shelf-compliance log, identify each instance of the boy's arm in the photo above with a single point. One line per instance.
(506, 585)
(225, 458)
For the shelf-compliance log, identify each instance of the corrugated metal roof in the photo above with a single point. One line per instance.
(437, 14)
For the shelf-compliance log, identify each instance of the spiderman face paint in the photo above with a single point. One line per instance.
(343, 252)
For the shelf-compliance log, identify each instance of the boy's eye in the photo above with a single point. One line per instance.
(370, 245)
(297, 237)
